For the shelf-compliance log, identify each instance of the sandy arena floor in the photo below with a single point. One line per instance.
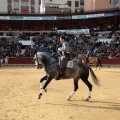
(19, 88)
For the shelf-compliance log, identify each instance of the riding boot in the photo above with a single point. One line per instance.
(61, 74)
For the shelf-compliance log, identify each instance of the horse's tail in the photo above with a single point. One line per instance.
(99, 61)
(94, 77)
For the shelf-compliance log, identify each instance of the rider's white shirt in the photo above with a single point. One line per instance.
(64, 48)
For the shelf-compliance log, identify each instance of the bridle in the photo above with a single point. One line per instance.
(39, 66)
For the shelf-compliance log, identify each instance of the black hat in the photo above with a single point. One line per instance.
(63, 37)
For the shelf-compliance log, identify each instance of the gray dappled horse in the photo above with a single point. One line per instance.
(51, 65)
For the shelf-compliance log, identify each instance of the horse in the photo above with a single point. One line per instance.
(91, 60)
(77, 71)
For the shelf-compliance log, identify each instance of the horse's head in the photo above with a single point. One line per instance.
(38, 61)
(80, 56)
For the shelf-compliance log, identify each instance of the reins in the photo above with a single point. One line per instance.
(52, 62)
(39, 65)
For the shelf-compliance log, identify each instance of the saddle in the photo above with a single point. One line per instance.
(70, 64)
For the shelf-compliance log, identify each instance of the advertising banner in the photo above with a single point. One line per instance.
(95, 15)
(16, 18)
(78, 16)
(75, 31)
(32, 18)
(49, 18)
(63, 17)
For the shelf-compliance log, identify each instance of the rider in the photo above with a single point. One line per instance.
(64, 57)
(95, 44)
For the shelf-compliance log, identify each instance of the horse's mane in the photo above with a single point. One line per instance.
(47, 54)
(44, 53)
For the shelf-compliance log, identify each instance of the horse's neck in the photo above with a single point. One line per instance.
(85, 59)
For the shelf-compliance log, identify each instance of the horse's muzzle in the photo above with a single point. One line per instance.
(40, 66)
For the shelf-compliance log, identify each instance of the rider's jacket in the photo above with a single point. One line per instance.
(65, 48)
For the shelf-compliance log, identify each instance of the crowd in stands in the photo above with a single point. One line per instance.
(49, 42)
(79, 44)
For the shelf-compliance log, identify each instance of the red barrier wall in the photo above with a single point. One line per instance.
(30, 61)
(20, 61)
(110, 61)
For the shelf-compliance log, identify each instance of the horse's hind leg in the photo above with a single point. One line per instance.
(89, 86)
(99, 63)
(96, 67)
(75, 89)
(99, 66)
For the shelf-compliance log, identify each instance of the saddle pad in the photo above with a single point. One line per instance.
(70, 64)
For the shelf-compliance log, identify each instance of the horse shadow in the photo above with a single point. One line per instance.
(107, 105)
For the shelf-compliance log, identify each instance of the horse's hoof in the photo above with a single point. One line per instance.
(39, 96)
(45, 90)
(88, 98)
(68, 99)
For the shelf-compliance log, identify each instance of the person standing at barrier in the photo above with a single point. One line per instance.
(64, 56)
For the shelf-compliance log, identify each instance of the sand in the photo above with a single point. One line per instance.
(19, 88)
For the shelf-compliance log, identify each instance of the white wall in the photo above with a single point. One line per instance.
(73, 5)
(56, 1)
(37, 9)
(3, 6)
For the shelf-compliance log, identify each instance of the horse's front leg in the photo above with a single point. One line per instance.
(41, 81)
(48, 80)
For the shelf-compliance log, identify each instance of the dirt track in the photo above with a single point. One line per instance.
(19, 88)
